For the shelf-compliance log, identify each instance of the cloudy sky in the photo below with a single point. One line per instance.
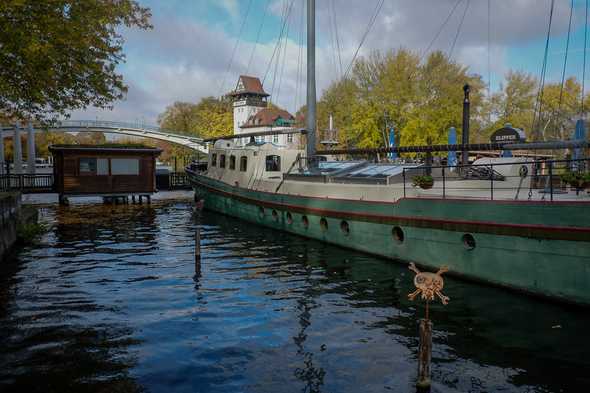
(188, 54)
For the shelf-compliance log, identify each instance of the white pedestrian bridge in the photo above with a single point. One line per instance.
(113, 127)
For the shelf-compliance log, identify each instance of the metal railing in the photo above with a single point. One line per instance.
(498, 180)
(179, 181)
(27, 183)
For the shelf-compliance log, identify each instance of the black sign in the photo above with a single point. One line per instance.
(508, 135)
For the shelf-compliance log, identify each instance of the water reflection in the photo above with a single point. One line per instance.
(112, 301)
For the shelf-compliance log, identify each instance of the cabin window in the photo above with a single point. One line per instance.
(88, 166)
(222, 161)
(124, 166)
(232, 162)
(102, 166)
(275, 139)
(243, 164)
(290, 138)
(273, 163)
(213, 159)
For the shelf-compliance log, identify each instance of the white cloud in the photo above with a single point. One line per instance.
(184, 59)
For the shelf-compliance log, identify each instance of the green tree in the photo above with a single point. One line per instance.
(515, 102)
(209, 117)
(61, 55)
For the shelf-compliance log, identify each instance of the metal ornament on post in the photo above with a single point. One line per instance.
(428, 285)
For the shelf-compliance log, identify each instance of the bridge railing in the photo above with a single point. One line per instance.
(117, 124)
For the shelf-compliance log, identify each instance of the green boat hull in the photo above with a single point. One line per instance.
(540, 248)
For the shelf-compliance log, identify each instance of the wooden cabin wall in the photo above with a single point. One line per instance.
(71, 181)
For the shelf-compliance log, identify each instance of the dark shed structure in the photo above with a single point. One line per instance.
(104, 170)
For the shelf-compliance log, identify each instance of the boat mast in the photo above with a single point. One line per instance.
(311, 93)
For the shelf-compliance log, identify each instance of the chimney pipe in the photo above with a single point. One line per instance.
(465, 133)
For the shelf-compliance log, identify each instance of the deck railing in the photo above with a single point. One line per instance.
(27, 183)
(542, 179)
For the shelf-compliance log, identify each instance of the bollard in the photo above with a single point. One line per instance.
(424, 354)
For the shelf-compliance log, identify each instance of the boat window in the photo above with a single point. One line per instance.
(222, 161)
(87, 166)
(213, 159)
(243, 163)
(232, 162)
(273, 163)
(275, 139)
(290, 138)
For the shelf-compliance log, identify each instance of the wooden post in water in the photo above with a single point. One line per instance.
(424, 354)
(198, 251)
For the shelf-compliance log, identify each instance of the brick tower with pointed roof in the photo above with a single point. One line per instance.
(249, 98)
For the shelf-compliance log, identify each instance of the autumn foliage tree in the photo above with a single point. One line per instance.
(60, 55)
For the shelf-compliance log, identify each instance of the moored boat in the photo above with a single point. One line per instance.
(507, 221)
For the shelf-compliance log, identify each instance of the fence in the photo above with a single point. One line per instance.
(501, 180)
(27, 183)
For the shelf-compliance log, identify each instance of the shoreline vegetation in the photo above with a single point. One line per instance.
(421, 99)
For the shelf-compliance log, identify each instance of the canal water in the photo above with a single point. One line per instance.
(110, 301)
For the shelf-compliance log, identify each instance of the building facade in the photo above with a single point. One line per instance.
(252, 113)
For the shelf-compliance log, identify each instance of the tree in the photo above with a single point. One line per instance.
(209, 117)
(422, 100)
(515, 102)
(180, 117)
(61, 55)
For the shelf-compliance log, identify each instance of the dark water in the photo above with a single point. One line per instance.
(109, 302)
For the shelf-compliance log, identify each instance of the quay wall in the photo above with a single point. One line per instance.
(12, 214)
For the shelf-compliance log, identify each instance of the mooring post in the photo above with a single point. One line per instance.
(424, 354)
(198, 251)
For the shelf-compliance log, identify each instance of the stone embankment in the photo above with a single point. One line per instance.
(12, 214)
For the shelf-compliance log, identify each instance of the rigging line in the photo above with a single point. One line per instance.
(489, 55)
(299, 59)
(233, 54)
(539, 103)
(337, 35)
(257, 36)
(285, 46)
(277, 44)
(278, 59)
(567, 47)
(369, 27)
(440, 30)
(459, 29)
(332, 41)
(584, 64)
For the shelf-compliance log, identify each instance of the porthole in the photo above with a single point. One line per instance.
(305, 222)
(468, 241)
(398, 234)
(275, 215)
(345, 228)
(324, 224)
(289, 219)
(260, 211)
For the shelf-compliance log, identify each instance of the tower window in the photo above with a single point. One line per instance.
(232, 162)
(222, 161)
